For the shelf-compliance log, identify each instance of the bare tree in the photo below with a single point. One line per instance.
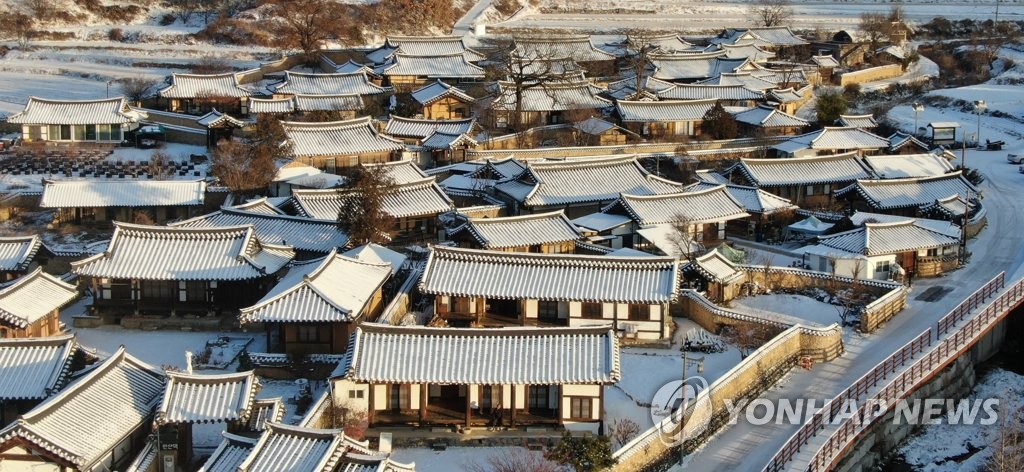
(362, 215)
(639, 45)
(877, 26)
(769, 13)
(623, 430)
(1007, 445)
(747, 337)
(137, 88)
(247, 167)
(18, 26)
(184, 9)
(211, 65)
(514, 460)
(516, 70)
(306, 25)
(344, 416)
(685, 236)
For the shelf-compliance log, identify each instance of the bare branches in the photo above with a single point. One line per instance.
(517, 70)
(307, 24)
(685, 236)
(137, 88)
(513, 460)
(769, 13)
(362, 214)
(623, 430)
(248, 167)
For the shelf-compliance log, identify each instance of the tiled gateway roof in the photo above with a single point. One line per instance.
(34, 368)
(517, 356)
(841, 168)
(76, 112)
(303, 234)
(664, 111)
(422, 46)
(889, 238)
(563, 277)
(32, 297)
(16, 252)
(599, 179)
(86, 420)
(912, 192)
(525, 230)
(156, 253)
(134, 193)
(415, 198)
(857, 121)
(204, 85)
(716, 267)
(331, 289)
(338, 138)
(702, 206)
(220, 398)
(355, 83)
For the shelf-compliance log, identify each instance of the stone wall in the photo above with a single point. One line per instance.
(870, 75)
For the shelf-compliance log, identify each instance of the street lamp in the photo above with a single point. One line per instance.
(918, 108)
(979, 107)
(108, 86)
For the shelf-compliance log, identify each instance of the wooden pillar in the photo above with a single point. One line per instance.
(423, 404)
(370, 407)
(480, 304)
(185, 444)
(560, 398)
(469, 409)
(600, 410)
(512, 413)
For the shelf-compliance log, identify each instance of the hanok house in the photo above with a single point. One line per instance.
(98, 422)
(551, 103)
(833, 140)
(746, 79)
(727, 95)
(343, 107)
(826, 66)
(31, 370)
(339, 144)
(200, 93)
(901, 166)
(903, 143)
(30, 306)
(202, 401)
(594, 131)
(531, 376)
(17, 255)
(857, 121)
(665, 119)
(542, 232)
(494, 288)
(677, 224)
(440, 101)
(414, 206)
(353, 83)
(888, 247)
(300, 449)
(76, 121)
(407, 73)
(96, 201)
(768, 213)
(156, 270)
(444, 141)
(906, 197)
(317, 305)
(765, 120)
(807, 181)
(309, 237)
(715, 275)
(422, 46)
(579, 186)
(689, 68)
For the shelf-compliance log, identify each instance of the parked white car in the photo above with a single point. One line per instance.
(1015, 158)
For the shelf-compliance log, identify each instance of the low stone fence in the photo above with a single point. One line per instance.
(871, 74)
(399, 306)
(280, 65)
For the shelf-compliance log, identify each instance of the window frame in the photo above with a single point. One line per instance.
(590, 314)
(580, 405)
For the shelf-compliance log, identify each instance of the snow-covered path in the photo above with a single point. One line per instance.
(999, 247)
(465, 24)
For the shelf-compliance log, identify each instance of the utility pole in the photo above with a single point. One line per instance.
(687, 360)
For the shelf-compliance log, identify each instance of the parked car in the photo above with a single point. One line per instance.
(1015, 158)
(1020, 169)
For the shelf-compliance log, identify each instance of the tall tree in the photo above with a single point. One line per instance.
(518, 71)
(719, 124)
(137, 88)
(306, 25)
(362, 214)
(769, 13)
(639, 47)
(247, 167)
(830, 104)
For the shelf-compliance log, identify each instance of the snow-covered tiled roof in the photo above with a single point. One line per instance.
(694, 66)
(840, 168)
(271, 105)
(335, 288)
(953, 205)
(414, 198)
(900, 166)
(194, 398)
(825, 61)
(231, 452)
(873, 239)
(423, 128)
(744, 79)
(563, 277)
(578, 48)
(422, 46)
(834, 138)
(664, 111)
(786, 95)
(525, 230)
(601, 221)
(432, 67)
(304, 234)
(84, 422)
(265, 410)
(708, 205)
(597, 179)
(377, 254)
(16, 252)
(595, 126)
(155, 253)
(354, 83)
(764, 116)
(899, 139)
(769, 36)
(442, 140)
(337, 138)
(32, 297)
(484, 356)
(215, 118)
(293, 103)
(296, 449)
(746, 51)
(262, 205)
(76, 112)
(558, 96)
(857, 121)
(626, 89)
(128, 193)
(716, 267)
(35, 368)
(348, 66)
(911, 192)
(437, 90)
(752, 199)
(401, 172)
(706, 91)
(204, 85)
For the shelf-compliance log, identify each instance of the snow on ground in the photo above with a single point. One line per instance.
(451, 459)
(953, 448)
(789, 307)
(287, 391)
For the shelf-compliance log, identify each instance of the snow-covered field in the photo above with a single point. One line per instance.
(789, 308)
(451, 459)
